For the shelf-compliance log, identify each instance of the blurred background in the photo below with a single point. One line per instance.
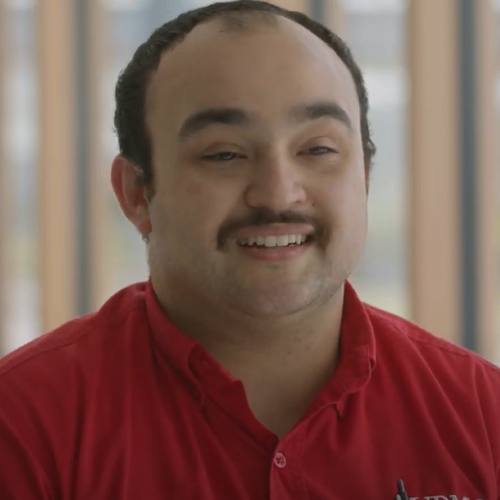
(432, 72)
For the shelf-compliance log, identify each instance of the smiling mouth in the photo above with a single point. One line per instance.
(275, 241)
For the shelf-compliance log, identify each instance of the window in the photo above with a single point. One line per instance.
(375, 31)
(21, 323)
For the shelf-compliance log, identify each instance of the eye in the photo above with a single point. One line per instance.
(319, 151)
(223, 156)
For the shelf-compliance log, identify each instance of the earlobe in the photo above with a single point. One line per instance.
(131, 194)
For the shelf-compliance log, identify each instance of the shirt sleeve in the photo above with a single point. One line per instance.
(21, 476)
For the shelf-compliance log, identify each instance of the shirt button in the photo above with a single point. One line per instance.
(280, 460)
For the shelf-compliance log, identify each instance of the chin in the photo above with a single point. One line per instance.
(276, 303)
(270, 310)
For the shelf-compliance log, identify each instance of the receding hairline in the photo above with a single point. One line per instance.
(229, 22)
(240, 23)
(244, 22)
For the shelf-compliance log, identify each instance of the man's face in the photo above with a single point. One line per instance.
(256, 147)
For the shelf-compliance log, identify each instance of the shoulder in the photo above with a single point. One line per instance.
(76, 341)
(49, 386)
(422, 349)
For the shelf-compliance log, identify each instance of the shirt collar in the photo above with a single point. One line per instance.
(357, 358)
(357, 350)
(175, 347)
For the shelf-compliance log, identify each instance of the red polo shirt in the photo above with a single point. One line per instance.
(119, 405)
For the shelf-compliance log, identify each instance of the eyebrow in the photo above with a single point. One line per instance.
(212, 116)
(322, 109)
(208, 117)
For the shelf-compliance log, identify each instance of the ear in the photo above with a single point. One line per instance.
(131, 194)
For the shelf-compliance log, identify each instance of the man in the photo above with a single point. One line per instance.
(246, 367)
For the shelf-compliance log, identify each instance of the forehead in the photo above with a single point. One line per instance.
(263, 68)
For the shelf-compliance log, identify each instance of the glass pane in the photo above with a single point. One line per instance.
(22, 321)
(375, 31)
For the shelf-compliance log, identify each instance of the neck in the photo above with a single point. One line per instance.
(283, 362)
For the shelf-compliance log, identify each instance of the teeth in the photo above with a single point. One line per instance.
(271, 241)
(282, 241)
(274, 241)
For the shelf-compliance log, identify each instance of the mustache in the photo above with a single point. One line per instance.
(263, 216)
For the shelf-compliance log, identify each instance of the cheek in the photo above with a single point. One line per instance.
(199, 207)
(193, 190)
(345, 205)
(200, 198)
(354, 205)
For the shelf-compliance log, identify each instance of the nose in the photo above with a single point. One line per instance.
(276, 184)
